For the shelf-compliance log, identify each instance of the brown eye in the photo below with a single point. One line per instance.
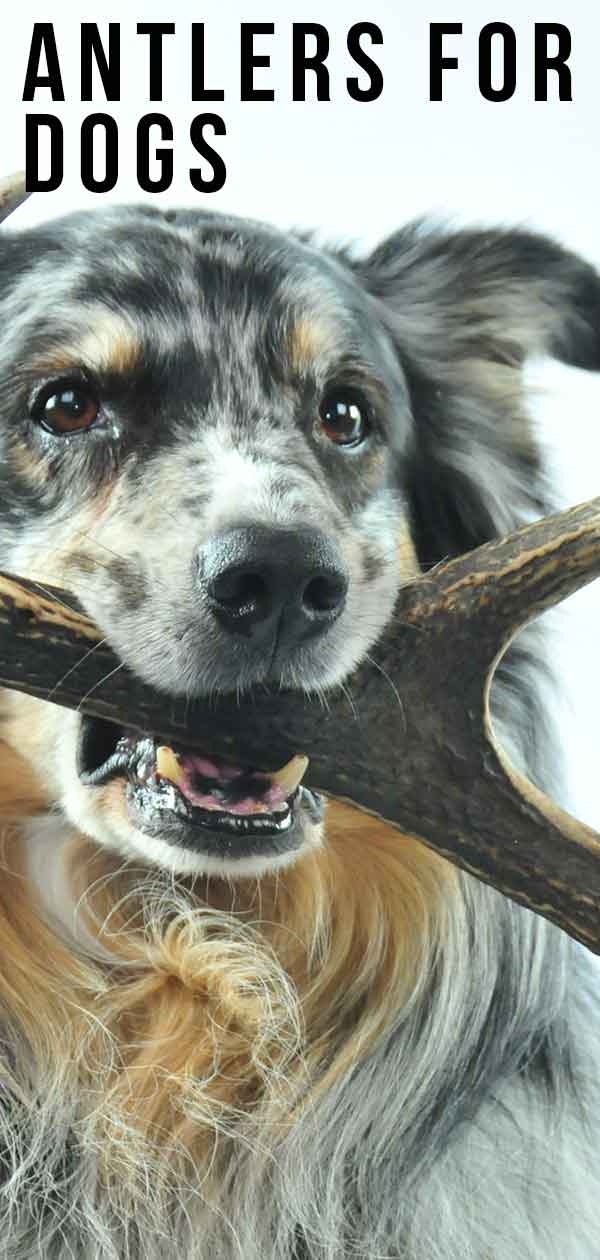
(344, 418)
(68, 409)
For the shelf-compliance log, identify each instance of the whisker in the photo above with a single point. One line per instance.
(393, 687)
(99, 684)
(97, 542)
(347, 693)
(75, 666)
(171, 515)
(53, 596)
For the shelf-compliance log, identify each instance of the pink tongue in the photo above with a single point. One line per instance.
(192, 764)
(210, 769)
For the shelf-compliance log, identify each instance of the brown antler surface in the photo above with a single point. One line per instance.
(12, 193)
(414, 746)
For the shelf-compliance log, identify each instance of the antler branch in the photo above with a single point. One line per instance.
(12, 193)
(416, 748)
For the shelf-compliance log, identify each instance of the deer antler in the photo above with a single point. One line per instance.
(12, 193)
(427, 762)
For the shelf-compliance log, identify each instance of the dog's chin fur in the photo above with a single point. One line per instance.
(101, 813)
(364, 1052)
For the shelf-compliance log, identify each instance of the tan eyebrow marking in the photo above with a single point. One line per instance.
(308, 339)
(109, 343)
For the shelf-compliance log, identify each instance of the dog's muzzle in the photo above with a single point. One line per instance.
(273, 590)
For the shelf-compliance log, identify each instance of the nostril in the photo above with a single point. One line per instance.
(240, 592)
(324, 594)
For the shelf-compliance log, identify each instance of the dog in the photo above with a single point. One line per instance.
(236, 1022)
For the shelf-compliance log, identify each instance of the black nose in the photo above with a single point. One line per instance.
(273, 583)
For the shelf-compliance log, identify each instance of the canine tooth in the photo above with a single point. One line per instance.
(291, 774)
(167, 765)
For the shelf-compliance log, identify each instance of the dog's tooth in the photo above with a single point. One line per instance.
(291, 774)
(168, 765)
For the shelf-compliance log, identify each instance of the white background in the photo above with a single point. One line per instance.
(357, 170)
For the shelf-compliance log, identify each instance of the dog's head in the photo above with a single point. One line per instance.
(234, 447)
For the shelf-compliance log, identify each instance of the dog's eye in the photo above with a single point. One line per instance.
(67, 409)
(344, 418)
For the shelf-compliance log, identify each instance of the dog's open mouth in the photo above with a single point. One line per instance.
(177, 784)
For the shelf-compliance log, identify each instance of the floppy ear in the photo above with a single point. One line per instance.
(12, 193)
(464, 310)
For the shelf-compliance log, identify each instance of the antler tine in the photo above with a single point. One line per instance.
(12, 193)
(499, 588)
(417, 748)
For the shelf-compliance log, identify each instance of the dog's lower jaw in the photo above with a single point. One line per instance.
(44, 740)
(102, 814)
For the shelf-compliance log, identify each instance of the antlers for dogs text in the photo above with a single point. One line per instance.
(416, 747)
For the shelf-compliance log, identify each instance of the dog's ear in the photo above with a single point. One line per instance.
(464, 310)
(12, 193)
